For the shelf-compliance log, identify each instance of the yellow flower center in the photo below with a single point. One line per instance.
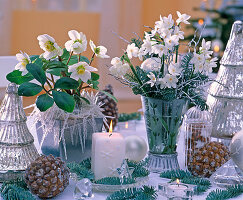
(80, 41)
(80, 69)
(170, 79)
(49, 46)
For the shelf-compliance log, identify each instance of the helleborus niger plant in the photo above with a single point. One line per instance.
(163, 72)
(61, 73)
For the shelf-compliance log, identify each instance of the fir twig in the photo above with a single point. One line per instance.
(144, 193)
(11, 191)
(230, 192)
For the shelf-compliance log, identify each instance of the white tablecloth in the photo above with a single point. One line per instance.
(154, 179)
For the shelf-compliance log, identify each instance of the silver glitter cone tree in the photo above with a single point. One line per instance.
(225, 102)
(17, 148)
(225, 97)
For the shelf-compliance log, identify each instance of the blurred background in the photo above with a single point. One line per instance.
(21, 21)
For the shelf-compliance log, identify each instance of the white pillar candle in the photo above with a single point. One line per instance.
(108, 153)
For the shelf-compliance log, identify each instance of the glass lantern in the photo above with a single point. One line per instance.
(198, 128)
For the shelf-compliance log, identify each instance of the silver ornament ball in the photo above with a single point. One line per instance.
(136, 148)
(236, 149)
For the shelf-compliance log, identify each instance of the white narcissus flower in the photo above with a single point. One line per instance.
(198, 58)
(151, 64)
(78, 42)
(152, 78)
(161, 83)
(23, 59)
(204, 49)
(174, 69)
(100, 51)
(160, 49)
(48, 44)
(210, 64)
(170, 81)
(182, 18)
(81, 70)
(168, 22)
(171, 41)
(178, 33)
(146, 47)
(132, 50)
(205, 45)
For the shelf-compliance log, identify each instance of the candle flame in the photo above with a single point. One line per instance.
(110, 129)
(178, 181)
(216, 48)
(126, 125)
(200, 22)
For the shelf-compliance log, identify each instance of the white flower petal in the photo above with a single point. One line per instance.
(74, 35)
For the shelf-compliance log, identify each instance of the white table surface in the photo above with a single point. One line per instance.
(154, 178)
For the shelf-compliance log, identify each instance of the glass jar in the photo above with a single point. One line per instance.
(198, 128)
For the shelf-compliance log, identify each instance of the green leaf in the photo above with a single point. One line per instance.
(55, 71)
(84, 59)
(55, 64)
(16, 77)
(29, 89)
(44, 102)
(36, 59)
(64, 101)
(95, 85)
(37, 72)
(66, 83)
(109, 95)
(94, 76)
(164, 124)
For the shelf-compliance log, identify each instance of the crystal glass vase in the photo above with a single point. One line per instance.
(163, 119)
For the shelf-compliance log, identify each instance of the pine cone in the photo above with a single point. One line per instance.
(206, 160)
(47, 176)
(109, 105)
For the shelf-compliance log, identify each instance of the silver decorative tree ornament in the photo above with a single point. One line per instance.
(225, 100)
(17, 148)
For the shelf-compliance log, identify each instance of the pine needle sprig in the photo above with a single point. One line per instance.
(15, 192)
(176, 174)
(144, 193)
(80, 170)
(230, 192)
(114, 181)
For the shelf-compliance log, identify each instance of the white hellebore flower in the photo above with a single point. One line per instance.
(81, 70)
(118, 68)
(48, 44)
(23, 59)
(132, 51)
(174, 69)
(100, 51)
(152, 80)
(116, 61)
(78, 42)
(170, 81)
(182, 18)
(151, 64)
